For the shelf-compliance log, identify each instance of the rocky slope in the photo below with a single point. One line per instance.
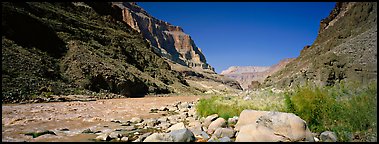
(168, 40)
(344, 50)
(77, 48)
(248, 76)
(69, 49)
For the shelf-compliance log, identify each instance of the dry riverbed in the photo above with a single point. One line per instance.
(68, 119)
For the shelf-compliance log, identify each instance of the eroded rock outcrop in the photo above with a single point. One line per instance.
(168, 40)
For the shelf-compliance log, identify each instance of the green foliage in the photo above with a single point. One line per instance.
(213, 105)
(344, 109)
(229, 106)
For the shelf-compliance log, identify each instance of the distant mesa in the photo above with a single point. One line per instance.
(253, 75)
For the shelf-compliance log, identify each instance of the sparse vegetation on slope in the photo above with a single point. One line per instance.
(66, 48)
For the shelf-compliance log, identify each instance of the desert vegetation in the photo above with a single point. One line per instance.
(349, 109)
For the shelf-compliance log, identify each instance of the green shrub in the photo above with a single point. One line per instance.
(344, 109)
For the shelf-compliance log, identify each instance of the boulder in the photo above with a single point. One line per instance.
(184, 110)
(218, 123)
(163, 108)
(150, 122)
(232, 120)
(125, 139)
(248, 117)
(224, 139)
(183, 115)
(172, 108)
(177, 126)
(195, 127)
(209, 119)
(275, 127)
(162, 119)
(202, 135)
(136, 120)
(159, 137)
(224, 132)
(114, 135)
(328, 136)
(164, 125)
(103, 137)
(183, 105)
(173, 118)
(129, 128)
(191, 112)
(182, 135)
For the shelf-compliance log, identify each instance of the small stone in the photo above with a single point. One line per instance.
(87, 131)
(232, 121)
(164, 125)
(103, 137)
(159, 137)
(114, 135)
(129, 128)
(125, 139)
(209, 119)
(177, 127)
(224, 139)
(136, 120)
(64, 129)
(203, 135)
(316, 139)
(182, 135)
(218, 123)
(328, 136)
(224, 132)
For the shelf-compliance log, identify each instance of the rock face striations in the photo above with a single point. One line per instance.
(78, 48)
(167, 40)
(344, 50)
(248, 76)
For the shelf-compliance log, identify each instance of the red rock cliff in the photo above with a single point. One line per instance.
(168, 40)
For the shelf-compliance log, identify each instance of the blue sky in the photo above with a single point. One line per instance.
(245, 33)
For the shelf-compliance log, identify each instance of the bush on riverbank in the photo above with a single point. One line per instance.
(350, 110)
(344, 109)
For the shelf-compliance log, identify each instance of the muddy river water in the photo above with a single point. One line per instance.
(76, 116)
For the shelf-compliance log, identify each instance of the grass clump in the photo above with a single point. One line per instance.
(344, 109)
(229, 106)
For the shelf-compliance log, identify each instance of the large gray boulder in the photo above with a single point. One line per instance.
(274, 127)
(159, 137)
(218, 123)
(182, 135)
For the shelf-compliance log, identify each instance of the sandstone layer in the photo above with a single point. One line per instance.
(167, 40)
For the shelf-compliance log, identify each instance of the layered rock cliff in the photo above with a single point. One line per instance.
(251, 75)
(344, 50)
(167, 40)
(78, 48)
